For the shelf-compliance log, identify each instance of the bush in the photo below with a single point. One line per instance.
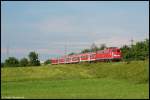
(2, 64)
(12, 62)
(47, 62)
(139, 51)
(24, 62)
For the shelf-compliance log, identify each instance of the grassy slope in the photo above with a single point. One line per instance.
(98, 80)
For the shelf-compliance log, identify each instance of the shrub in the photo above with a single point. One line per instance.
(24, 62)
(47, 62)
(12, 62)
(2, 64)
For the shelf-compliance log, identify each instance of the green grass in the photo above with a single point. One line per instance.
(76, 88)
(98, 80)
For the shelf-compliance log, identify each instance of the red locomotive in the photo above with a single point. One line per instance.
(108, 54)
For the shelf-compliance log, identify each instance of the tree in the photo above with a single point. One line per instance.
(85, 50)
(72, 53)
(2, 64)
(141, 50)
(47, 62)
(102, 46)
(12, 62)
(125, 52)
(24, 62)
(94, 48)
(146, 43)
(34, 61)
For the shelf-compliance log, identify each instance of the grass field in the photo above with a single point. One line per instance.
(98, 80)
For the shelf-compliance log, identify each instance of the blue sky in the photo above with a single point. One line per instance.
(47, 26)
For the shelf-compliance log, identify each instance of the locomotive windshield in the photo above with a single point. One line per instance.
(115, 50)
(118, 50)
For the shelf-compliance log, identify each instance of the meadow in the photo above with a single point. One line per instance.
(117, 80)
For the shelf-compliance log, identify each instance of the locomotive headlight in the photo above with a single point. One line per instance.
(116, 55)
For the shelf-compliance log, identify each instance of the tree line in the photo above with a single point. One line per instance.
(93, 48)
(14, 62)
(138, 51)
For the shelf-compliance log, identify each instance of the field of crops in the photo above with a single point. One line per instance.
(116, 80)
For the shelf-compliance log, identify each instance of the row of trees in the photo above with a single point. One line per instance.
(14, 62)
(139, 51)
(93, 48)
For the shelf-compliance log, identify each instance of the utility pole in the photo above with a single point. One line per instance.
(65, 49)
(132, 41)
(65, 52)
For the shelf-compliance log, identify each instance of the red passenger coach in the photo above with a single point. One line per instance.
(68, 59)
(92, 56)
(61, 60)
(84, 57)
(54, 61)
(75, 59)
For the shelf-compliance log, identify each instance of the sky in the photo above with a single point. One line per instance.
(52, 27)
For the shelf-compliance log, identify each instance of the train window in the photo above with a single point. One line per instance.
(84, 57)
(75, 58)
(106, 51)
(118, 50)
(113, 50)
(92, 56)
(68, 59)
(101, 51)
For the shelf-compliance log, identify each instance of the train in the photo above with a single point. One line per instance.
(105, 55)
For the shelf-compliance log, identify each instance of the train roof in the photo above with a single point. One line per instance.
(112, 47)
